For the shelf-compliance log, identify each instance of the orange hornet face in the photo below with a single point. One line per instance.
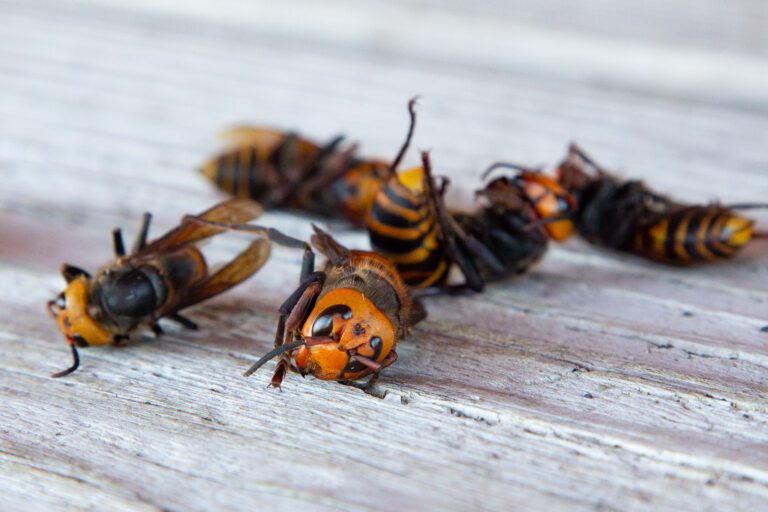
(73, 318)
(70, 310)
(346, 337)
(550, 200)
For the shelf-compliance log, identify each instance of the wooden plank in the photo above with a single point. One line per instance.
(595, 45)
(596, 381)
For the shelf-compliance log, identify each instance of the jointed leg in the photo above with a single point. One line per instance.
(141, 237)
(575, 151)
(369, 387)
(449, 230)
(183, 321)
(318, 173)
(292, 314)
(476, 248)
(117, 243)
(307, 264)
(444, 183)
(274, 235)
(306, 300)
(156, 329)
(321, 155)
(120, 340)
(533, 230)
(327, 175)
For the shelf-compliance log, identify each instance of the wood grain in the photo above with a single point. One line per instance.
(596, 382)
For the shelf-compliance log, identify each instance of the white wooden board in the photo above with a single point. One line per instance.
(596, 382)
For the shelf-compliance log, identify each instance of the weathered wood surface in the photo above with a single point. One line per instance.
(598, 381)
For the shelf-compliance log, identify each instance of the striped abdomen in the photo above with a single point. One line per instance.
(241, 172)
(264, 165)
(404, 228)
(286, 171)
(692, 235)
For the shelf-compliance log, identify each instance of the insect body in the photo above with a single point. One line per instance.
(342, 323)
(628, 216)
(410, 224)
(154, 281)
(403, 211)
(402, 224)
(285, 170)
(510, 232)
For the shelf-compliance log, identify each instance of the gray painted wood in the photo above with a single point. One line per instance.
(597, 381)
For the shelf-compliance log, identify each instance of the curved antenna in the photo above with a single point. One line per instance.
(278, 351)
(508, 165)
(75, 363)
(575, 149)
(404, 148)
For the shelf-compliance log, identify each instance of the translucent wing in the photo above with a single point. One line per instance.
(234, 211)
(247, 135)
(242, 267)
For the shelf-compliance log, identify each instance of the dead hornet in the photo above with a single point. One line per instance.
(630, 217)
(343, 322)
(155, 280)
(285, 170)
(409, 223)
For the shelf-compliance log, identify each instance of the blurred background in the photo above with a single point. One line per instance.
(675, 91)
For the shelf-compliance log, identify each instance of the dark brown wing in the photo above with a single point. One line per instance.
(418, 312)
(503, 192)
(266, 139)
(234, 211)
(239, 269)
(336, 253)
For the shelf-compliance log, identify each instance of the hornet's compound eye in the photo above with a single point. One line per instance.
(323, 324)
(376, 344)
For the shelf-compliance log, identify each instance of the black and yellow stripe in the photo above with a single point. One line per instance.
(403, 226)
(285, 170)
(263, 164)
(694, 234)
(627, 215)
(239, 172)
